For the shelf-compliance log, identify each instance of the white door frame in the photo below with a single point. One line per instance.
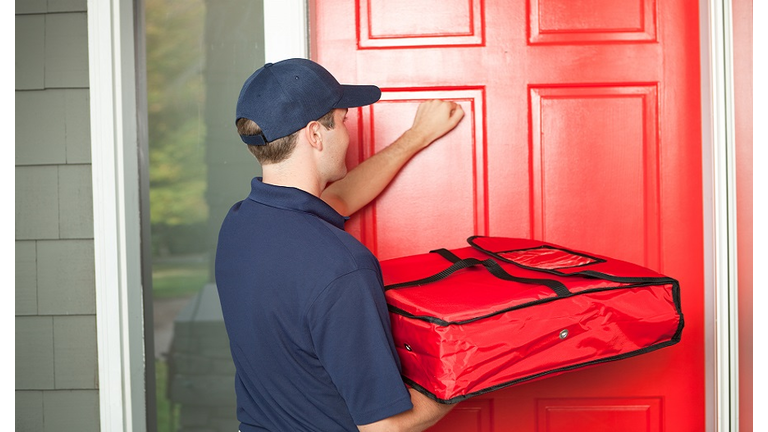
(719, 155)
(116, 191)
(117, 242)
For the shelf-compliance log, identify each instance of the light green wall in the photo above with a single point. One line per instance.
(55, 324)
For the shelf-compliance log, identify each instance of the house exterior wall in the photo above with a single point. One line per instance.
(55, 313)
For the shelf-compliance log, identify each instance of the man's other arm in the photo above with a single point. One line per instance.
(425, 413)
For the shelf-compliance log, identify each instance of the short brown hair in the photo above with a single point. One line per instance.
(281, 148)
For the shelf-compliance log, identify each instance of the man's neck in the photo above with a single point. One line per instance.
(289, 175)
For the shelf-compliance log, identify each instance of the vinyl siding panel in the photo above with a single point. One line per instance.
(55, 324)
(65, 277)
(75, 202)
(31, 7)
(74, 347)
(26, 278)
(72, 410)
(67, 5)
(77, 135)
(52, 127)
(29, 407)
(30, 52)
(37, 202)
(34, 353)
(66, 50)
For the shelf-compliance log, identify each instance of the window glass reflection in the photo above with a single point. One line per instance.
(198, 53)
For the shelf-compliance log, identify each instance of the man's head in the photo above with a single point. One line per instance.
(280, 149)
(282, 98)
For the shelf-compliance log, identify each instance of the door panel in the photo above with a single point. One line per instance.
(399, 23)
(615, 194)
(461, 154)
(582, 128)
(602, 415)
(569, 21)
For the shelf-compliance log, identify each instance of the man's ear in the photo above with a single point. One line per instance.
(313, 135)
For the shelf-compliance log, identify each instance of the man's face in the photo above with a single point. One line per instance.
(336, 141)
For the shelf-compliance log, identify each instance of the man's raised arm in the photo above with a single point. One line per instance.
(365, 182)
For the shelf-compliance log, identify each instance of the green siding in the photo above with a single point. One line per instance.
(65, 277)
(30, 50)
(52, 127)
(73, 410)
(26, 278)
(75, 202)
(66, 50)
(74, 348)
(31, 6)
(37, 202)
(34, 353)
(67, 5)
(41, 127)
(55, 326)
(77, 137)
(29, 408)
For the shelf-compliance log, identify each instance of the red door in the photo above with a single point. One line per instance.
(582, 129)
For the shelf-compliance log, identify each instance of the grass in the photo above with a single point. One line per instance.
(178, 278)
(173, 278)
(167, 413)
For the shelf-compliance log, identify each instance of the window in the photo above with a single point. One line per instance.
(198, 54)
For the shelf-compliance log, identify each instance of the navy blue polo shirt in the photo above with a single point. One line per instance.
(304, 308)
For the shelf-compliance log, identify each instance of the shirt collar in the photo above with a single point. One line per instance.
(291, 198)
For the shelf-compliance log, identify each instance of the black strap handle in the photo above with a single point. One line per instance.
(445, 253)
(492, 266)
(583, 273)
(456, 266)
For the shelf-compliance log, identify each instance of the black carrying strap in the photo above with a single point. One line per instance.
(492, 266)
(583, 273)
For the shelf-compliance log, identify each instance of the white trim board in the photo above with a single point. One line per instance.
(719, 150)
(288, 20)
(119, 320)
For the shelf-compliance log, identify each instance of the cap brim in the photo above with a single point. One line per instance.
(358, 95)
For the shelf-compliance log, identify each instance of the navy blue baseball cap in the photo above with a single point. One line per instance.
(283, 97)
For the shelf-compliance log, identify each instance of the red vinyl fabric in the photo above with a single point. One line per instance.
(505, 311)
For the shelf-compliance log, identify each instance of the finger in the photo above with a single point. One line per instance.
(457, 113)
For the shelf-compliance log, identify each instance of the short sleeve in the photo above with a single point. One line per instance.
(351, 332)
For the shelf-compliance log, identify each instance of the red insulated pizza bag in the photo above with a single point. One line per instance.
(505, 311)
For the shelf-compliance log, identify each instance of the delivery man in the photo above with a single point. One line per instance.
(302, 300)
